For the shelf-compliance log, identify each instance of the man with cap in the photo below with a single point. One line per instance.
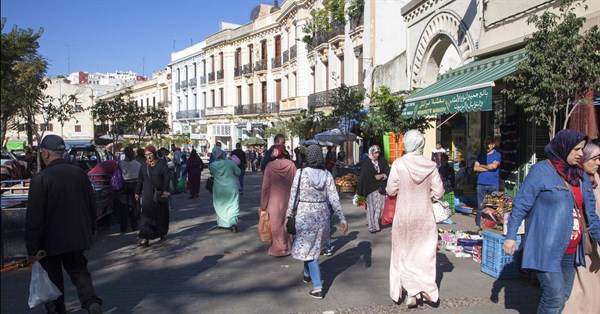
(60, 223)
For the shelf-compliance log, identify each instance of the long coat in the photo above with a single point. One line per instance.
(276, 186)
(193, 168)
(416, 181)
(226, 194)
(61, 210)
(154, 215)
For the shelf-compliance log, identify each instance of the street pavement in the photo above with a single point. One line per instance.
(199, 268)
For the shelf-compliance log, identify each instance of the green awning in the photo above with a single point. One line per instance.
(15, 145)
(465, 89)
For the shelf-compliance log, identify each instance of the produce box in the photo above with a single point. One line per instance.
(495, 262)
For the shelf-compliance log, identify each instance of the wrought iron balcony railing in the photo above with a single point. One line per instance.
(189, 114)
(220, 74)
(260, 65)
(248, 69)
(275, 62)
(211, 76)
(258, 108)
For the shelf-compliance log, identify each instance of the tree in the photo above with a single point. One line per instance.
(22, 70)
(306, 124)
(145, 121)
(114, 113)
(385, 115)
(562, 64)
(347, 104)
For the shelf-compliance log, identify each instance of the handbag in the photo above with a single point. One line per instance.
(389, 209)
(209, 183)
(116, 180)
(381, 190)
(290, 225)
(264, 226)
(441, 210)
(158, 198)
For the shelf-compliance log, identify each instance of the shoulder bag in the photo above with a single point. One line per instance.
(290, 226)
(441, 210)
(157, 196)
(209, 183)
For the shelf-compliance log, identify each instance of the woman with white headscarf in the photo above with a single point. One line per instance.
(416, 181)
(371, 185)
(586, 287)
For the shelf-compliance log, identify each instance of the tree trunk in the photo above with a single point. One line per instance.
(3, 126)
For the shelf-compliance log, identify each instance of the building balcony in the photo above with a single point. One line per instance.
(286, 56)
(319, 99)
(275, 62)
(189, 114)
(184, 84)
(193, 82)
(217, 111)
(238, 71)
(211, 76)
(220, 74)
(260, 65)
(258, 108)
(293, 52)
(177, 86)
(357, 21)
(248, 69)
(203, 80)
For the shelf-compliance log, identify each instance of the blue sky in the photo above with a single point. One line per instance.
(126, 35)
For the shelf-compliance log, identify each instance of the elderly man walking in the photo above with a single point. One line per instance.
(60, 221)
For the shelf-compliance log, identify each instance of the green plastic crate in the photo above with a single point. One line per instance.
(449, 197)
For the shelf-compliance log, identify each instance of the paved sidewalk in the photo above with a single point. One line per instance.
(201, 269)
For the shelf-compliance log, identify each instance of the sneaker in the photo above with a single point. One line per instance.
(317, 294)
(306, 279)
(95, 309)
(328, 252)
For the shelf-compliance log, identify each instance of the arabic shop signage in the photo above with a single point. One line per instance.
(474, 100)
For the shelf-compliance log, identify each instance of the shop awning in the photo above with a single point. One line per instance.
(465, 89)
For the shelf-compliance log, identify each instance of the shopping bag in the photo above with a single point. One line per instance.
(441, 210)
(41, 289)
(180, 185)
(264, 226)
(116, 180)
(209, 184)
(389, 209)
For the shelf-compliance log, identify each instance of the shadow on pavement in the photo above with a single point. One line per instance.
(339, 263)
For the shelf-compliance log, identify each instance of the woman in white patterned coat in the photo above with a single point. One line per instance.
(312, 216)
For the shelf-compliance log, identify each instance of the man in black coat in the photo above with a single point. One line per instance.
(239, 153)
(60, 222)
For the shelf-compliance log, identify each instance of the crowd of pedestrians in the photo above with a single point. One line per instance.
(563, 188)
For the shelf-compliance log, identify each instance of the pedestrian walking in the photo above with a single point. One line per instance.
(129, 210)
(372, 182)
(60, 221)
(154, 175)
(586, 287)
(415, 180)
(193, 169)
(239, 153)
(275, 195)
(226, 194)
(557, 199)
(316, 184)
(487, 165)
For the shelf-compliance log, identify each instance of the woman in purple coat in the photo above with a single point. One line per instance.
(193, 168)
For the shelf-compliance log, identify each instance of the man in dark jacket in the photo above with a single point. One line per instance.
(239, 153)
(60, 222)
(279, 140)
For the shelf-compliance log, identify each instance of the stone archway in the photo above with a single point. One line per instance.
(443, 44)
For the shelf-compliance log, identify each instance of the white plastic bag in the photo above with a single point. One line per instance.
(41, 289)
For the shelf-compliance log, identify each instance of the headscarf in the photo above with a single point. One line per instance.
(414, 142)
(372, 150)
(150, 149)
(590, 151)
(194, 153)
(277, 152)
(219, 153)
(559, 149)
(314, 157)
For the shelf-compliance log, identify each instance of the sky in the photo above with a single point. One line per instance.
(120, 35)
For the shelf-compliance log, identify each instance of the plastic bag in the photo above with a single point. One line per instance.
(389, 209)
(41, 289)
(264, 226)
(180, 185)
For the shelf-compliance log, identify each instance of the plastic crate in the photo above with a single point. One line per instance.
(495, 262)
(449, 197)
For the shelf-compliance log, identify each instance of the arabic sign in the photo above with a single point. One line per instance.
(474, 100)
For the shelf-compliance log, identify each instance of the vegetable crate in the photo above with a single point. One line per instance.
(495, 262)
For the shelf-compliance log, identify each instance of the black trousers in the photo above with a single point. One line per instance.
(129, 210)
(75, 264)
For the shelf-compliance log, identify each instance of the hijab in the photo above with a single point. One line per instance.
(590, 151)
(314, 157)
(559, 149)
(151, 149)
(277, 152)
(372, 150)
(414, 142)
(219, 153)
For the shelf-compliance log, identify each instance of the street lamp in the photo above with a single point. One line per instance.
(358, 52)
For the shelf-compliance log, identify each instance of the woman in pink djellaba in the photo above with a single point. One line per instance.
(416, 181)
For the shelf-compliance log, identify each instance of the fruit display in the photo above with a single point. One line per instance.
(347, 180)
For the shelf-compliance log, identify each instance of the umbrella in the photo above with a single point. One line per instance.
(254, 141)
(335, 136)
(315, 142)
(109, 137)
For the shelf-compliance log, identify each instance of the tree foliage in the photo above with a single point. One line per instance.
(385, 115)
(306, 124)
(347, 104)
(562, 64)
(22, 71)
